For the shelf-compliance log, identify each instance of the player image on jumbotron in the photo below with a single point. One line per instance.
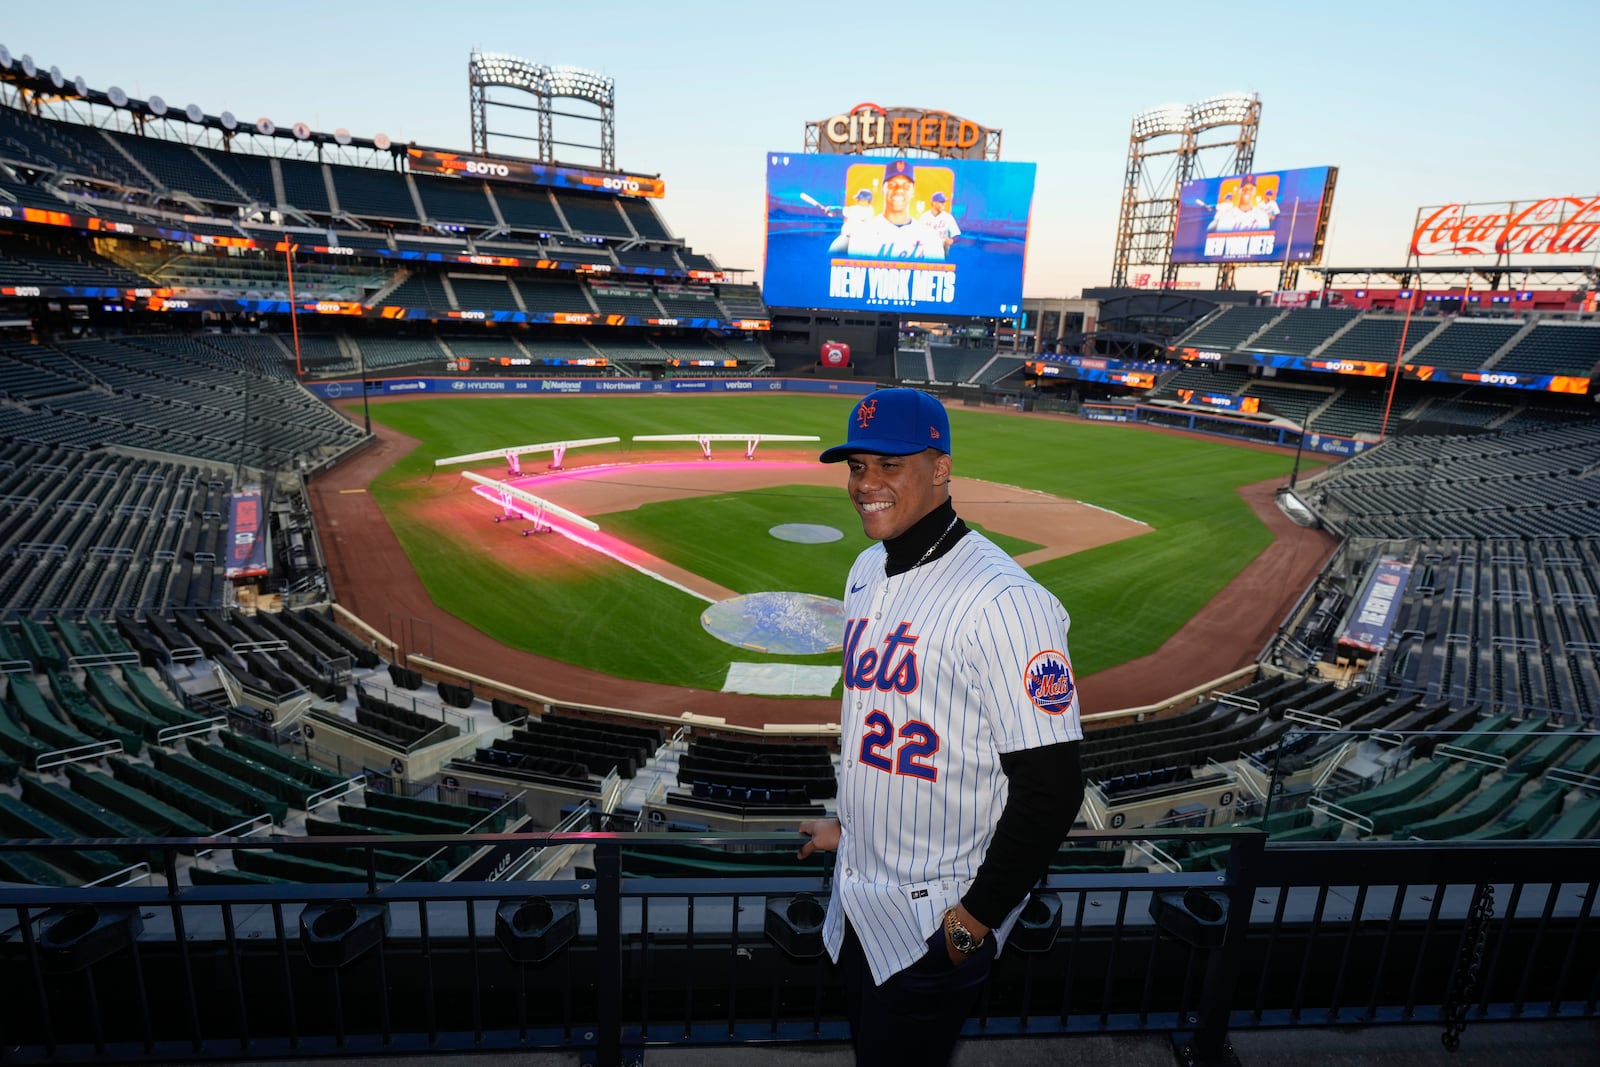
(940, 235)
(903, 228)
(1247, 204)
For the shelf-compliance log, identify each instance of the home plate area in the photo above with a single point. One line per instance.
(784, 624)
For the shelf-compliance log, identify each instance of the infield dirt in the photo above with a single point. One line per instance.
(372, 578)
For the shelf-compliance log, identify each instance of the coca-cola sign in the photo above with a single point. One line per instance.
(1555, 226)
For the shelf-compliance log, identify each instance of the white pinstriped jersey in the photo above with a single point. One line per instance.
(944, 224)
(945, 667)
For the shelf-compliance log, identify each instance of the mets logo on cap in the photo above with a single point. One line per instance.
(1049, 682)
(865, 412)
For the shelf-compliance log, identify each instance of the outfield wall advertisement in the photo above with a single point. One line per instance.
(943, 237)
(548, 386)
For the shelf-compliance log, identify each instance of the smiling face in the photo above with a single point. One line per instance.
(892, 492)
(897, 192)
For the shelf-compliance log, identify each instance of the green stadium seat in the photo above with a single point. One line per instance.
(153, 700)
(1530, 813)
(21, 867)
(302, 770)
(1446, 794)
(216, 814)
(105, 637)
(19, 820)
(19, 745)
(40, 648)
(115, 700)
(1481, 736)
(329, 828)
(39, 720)
(1544, 752)
(291, 791)
(299, 868)
(72, 638)
(1410, 783)
(1494, 801)
(239, 794)
(1577, 823)
(156, 817)
(461, 814)
(1516, 740)
(401, 821)
(89, 718)
(1584, 760)
(87, 817)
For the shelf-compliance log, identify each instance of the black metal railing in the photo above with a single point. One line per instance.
(605, 963)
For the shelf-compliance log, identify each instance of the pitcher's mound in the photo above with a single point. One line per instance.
(806, 533)
(785, 624)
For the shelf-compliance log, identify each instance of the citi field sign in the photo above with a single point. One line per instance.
(1554, 226)
(867, 126)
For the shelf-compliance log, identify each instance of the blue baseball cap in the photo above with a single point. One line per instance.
(894, 422)
(863, 194)
(938, 198)
(899, 168)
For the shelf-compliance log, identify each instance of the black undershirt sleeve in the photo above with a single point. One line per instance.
(1045, 789)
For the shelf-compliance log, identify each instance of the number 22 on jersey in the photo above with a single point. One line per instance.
(917, 743)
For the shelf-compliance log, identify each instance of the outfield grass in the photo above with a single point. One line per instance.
(1125, 598)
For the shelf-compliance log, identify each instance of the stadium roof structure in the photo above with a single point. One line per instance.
(48, 93)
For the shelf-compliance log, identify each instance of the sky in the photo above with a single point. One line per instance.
(1417, 103)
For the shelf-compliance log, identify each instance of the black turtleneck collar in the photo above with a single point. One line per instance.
(906, 551)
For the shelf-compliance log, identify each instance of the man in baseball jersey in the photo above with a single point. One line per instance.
(896, 233)
(861, 210)
(959, 772)
(940, 221)
(858, 216)
(1249, 214)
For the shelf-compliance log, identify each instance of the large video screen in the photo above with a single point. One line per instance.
(924, 236)
(1265, 217)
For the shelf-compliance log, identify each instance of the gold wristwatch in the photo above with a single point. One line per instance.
(960, 936)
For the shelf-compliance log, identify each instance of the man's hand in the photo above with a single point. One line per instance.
(823, 835)
(977, 929)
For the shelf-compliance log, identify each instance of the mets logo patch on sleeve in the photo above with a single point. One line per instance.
(1049, 682)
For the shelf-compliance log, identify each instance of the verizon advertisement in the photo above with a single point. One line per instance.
(1553, 226)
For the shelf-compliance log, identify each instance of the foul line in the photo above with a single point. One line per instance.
(1118, 514)
(555, 525)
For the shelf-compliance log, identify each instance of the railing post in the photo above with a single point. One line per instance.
(608, 952)
(1208, 1044)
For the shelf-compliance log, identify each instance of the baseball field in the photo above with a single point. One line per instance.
(1164, 530)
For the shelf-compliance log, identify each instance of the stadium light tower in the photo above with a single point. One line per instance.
(546, 85)
(1168, 146)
